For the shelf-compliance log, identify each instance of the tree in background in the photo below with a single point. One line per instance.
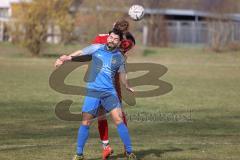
(32, 20)
(64, 18)
(96, 17)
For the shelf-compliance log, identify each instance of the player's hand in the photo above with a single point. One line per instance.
(61, 60)
(65, 58)
(58, 63)
(130, 89)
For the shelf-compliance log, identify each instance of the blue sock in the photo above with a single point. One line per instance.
(82, 138)
(125, 137)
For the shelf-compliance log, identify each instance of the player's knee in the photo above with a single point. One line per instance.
(117, 120)
(86, 122)
(117, 116)
(86, 119)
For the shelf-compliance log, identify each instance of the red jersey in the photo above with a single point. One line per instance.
(125, 45)
(100, 39)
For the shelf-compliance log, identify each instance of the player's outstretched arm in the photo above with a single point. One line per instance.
(80, 55)
(77, 53)
(65, 58)
(69, 57)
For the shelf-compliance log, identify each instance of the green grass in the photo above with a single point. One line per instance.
(205, 83)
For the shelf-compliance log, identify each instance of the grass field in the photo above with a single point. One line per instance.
(206, 83)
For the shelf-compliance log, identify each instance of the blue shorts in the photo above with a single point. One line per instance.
(95, 99)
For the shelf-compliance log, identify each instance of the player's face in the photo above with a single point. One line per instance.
(113, 41)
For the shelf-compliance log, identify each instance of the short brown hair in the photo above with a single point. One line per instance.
(122, 25)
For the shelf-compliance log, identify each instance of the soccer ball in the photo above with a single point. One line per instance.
(136, 12)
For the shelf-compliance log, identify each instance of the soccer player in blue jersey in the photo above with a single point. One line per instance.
(107, 60)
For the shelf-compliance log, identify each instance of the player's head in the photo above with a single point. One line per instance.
(114, 38)
(121, 25)
(127, 43)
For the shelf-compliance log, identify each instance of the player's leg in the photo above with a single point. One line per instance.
(119, 93)
(111, 103)
(89, 110)
(103, 128)
(123, 132)
(103, 132)
(83, 134)
(116, 115)
(124, 118)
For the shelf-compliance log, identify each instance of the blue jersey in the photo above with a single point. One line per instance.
(105, 64)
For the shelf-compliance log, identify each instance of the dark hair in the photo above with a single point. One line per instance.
(117, 32)
(130, 37)
(121, 25)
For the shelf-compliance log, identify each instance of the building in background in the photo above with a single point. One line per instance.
(179, 26)
(4, 18)
(160, 27)
(6, 8)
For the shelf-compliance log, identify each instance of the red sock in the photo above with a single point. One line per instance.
(103, 129)
(124, 118)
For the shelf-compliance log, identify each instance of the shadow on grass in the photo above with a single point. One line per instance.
(154, 153)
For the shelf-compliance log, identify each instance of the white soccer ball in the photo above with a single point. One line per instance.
(136, 12)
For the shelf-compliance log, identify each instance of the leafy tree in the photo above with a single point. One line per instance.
(31, 21)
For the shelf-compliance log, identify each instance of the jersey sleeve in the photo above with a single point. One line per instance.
(91, 49)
